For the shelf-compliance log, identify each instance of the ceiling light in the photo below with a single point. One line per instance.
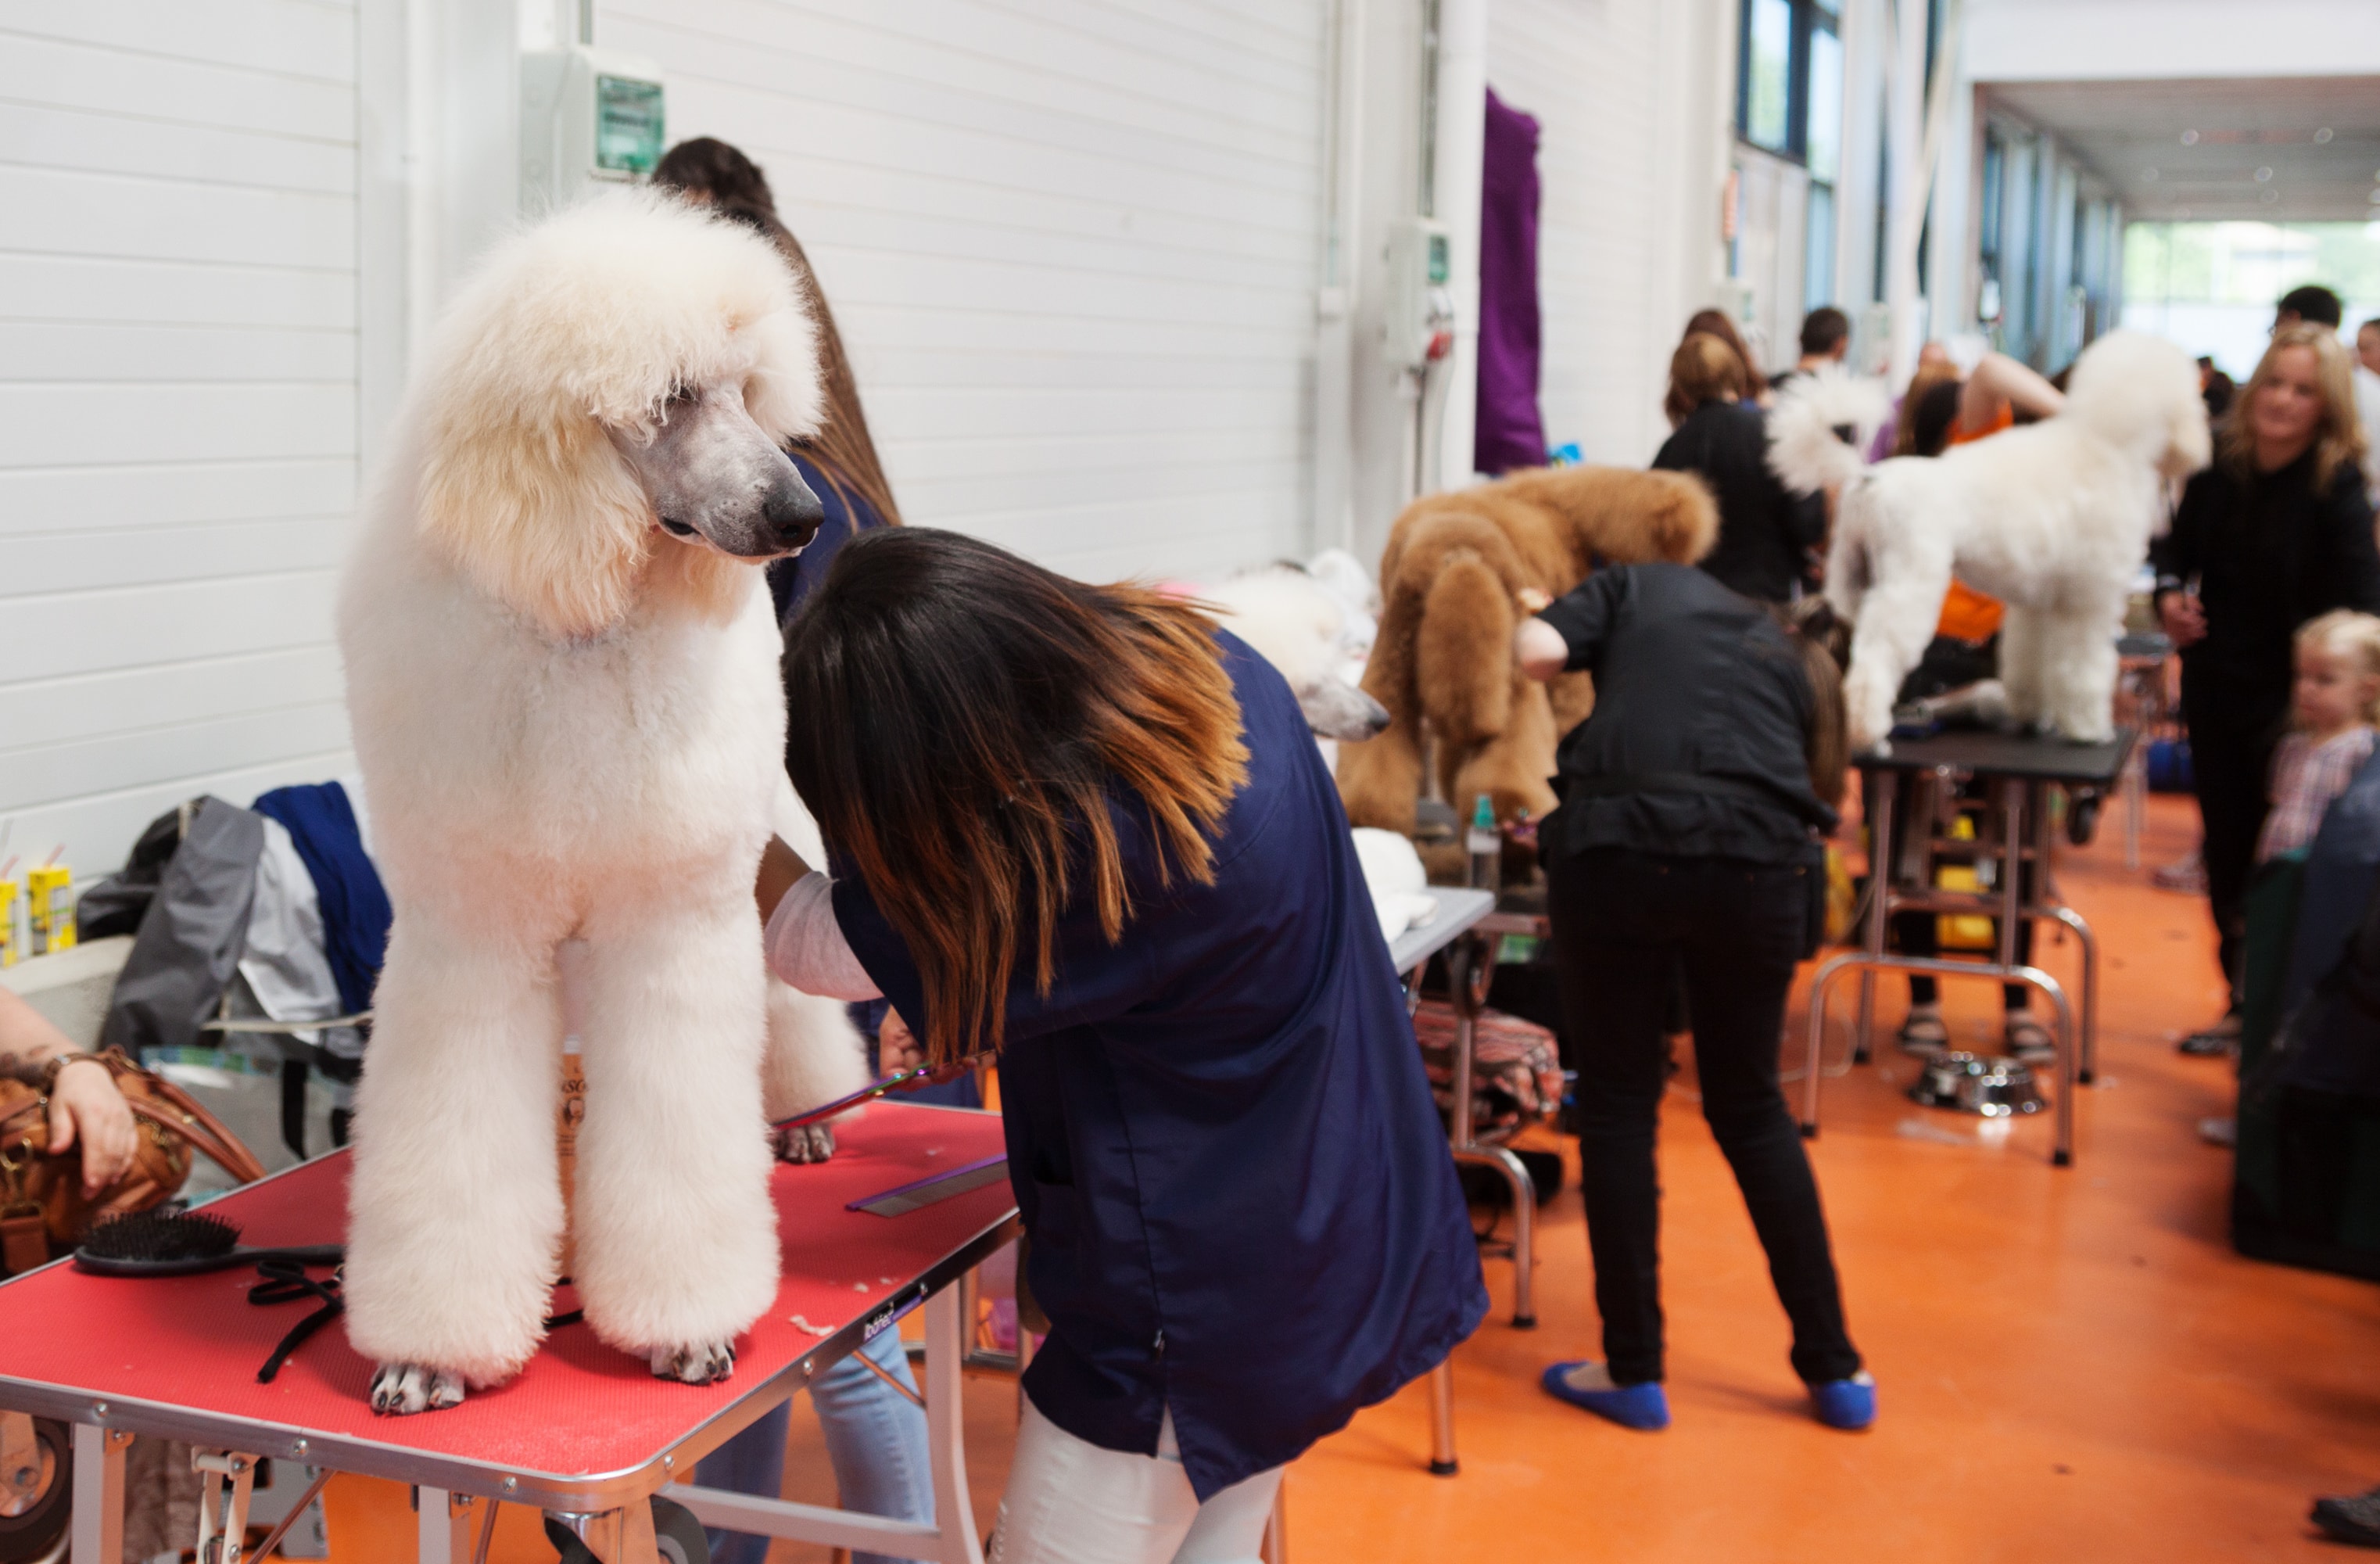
(2322, 136)
(2264, 176)
(2189, 137)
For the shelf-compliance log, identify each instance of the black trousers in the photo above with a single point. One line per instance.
(2231, 743)
(1622, 922)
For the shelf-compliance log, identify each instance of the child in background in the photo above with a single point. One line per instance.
(2333, 706)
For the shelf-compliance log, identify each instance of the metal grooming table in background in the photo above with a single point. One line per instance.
(584, 1432)
(1470, 963)
(2017, 772)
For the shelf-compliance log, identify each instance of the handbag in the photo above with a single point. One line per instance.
(43, 1207)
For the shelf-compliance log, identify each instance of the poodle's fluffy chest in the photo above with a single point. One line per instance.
(652, 744)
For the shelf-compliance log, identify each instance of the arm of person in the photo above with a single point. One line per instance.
(2355, 557)
(84, 1104)
(1567, 634)
(2177, 556)
(1998, 379)
(804, 944)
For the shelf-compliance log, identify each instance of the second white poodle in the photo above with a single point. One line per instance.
(2053, 519)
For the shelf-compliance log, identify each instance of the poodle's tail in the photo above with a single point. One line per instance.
(1820, 425)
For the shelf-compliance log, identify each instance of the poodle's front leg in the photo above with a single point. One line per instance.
(2024, 673)
(676, 1237)
(455, 1206)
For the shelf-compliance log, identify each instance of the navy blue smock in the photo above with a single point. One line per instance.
(1240, 1198)
(847, 515)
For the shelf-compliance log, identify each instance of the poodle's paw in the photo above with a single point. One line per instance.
(398, 1388)
(706, 1363)
(803, 1142)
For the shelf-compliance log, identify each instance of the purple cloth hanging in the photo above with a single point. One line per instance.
(1509, 431)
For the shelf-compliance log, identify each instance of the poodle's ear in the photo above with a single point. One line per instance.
(547, 518)
(783, 391)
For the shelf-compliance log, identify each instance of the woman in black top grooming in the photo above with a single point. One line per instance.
(1689, 833)
(2276, 532)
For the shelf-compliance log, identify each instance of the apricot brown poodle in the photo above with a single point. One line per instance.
(1460, 573)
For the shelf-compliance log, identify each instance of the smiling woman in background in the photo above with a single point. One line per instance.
(2277, 532)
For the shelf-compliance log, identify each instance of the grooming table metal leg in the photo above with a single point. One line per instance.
(946, 1345)
(1441, 1420)
(1471, 966)
(228, 1477)
(99, 1494)
(444, 1526)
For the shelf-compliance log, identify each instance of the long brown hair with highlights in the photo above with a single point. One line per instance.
(723, 177)
(969, 728)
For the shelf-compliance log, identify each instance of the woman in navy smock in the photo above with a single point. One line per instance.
(1082, 825)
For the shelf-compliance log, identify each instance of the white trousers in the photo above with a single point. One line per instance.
(1071, 1502)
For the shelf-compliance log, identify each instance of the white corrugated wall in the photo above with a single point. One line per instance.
(1072, 248)
(1622, 90)
(177, 406)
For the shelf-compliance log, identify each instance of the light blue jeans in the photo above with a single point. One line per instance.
(875, 1440)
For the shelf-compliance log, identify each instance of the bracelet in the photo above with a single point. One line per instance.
(50, 1068)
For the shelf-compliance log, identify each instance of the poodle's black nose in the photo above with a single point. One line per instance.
(792, 512)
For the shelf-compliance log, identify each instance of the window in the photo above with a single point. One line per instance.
(1768, 75)
(1790, 102)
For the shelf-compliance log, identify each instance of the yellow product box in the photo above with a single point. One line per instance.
(49, 894)
(8, 923)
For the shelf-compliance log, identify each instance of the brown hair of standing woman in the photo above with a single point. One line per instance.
(716, 173)
(959, 719)
(1703, 369)
(1715, 323)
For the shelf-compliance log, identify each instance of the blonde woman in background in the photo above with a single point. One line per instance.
(2277, 532)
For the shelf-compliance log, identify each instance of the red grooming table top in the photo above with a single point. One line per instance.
(583, 1426)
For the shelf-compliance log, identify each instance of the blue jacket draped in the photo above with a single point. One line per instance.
(1240, 1200)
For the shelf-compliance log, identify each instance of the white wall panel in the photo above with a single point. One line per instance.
(1591, 75)
(177, 405)
(1072, 248)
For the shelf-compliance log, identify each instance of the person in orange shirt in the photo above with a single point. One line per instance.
(1944, 408)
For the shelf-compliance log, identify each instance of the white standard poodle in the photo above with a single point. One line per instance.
(561, 670)
(2053, 519)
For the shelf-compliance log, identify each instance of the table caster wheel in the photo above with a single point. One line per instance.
(37, 1499)
(678, 1537)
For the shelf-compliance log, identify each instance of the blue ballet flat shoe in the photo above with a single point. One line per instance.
(1641, 1407)
(1848, 1404)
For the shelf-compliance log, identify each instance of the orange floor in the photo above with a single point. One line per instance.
(2074, 1365)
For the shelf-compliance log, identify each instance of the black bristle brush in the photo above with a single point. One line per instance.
(181, 1243)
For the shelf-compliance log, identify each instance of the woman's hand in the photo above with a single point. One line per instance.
(85, 1105)
(1539, 649)
(2184, 616)
(897, 1046)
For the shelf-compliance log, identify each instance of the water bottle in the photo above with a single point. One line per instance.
(1485, 844)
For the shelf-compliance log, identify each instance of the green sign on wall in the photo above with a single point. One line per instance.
(627, 123)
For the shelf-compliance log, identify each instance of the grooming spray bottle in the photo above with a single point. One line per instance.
(1486, 845)
(570, 961)
(50, 891)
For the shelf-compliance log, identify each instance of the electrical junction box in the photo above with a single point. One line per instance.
(1419, 322)
(589, 118)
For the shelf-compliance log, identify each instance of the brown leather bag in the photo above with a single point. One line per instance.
(42, 1199)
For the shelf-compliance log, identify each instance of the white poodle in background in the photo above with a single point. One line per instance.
(2053, 519)
(562, 672)
(1300, 626)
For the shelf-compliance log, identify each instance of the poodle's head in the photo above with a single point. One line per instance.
(1622, 515)
(2141, 392)
(609, 395)
(1293, 621)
